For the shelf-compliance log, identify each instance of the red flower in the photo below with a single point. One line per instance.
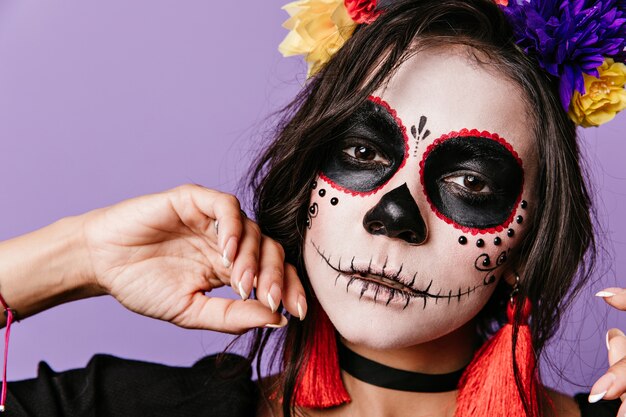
(362, 11)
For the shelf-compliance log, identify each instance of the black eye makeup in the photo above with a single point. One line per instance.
(473, 180)
(372, 145)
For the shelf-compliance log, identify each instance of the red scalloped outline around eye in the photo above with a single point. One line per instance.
(480, 134)
(395, 116)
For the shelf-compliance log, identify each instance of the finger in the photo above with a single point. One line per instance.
(270, 275)
(228, 316)
(615, 297)
(616, 344)
(247, 262)
(224, 208)
(622, 410)
(614, 381)
(294, 299)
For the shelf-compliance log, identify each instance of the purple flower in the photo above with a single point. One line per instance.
(570, 37)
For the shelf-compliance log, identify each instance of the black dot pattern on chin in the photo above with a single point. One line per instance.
(524, 204)
(334, 201)
(497, 241)
(519, 219)
(486, 261)
(462, 240)
(480, 243)
(321, 192)
(510, 233)
(314, 185)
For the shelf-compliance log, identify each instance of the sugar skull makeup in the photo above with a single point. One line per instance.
(421, 202)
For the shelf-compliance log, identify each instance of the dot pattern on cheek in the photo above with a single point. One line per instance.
(384, 130)
(314, 207)
(476, 155)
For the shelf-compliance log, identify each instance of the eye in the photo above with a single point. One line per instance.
(366, 154)
(470, 182)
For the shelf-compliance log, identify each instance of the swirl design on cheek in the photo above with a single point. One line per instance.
(483, 263)
(472, 180)
(371, 146)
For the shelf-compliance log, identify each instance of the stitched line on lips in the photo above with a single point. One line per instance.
(409, 289)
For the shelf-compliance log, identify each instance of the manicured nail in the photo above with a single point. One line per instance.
(282, 323)
(601, 387)
(607, 341)
(604, 294)
(301, 307)
(244, 285)
(229, 252)
(272, 295)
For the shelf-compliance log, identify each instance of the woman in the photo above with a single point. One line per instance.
(418, 194)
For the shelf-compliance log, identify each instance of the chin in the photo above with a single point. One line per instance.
(376, 325)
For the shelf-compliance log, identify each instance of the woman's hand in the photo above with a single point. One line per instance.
(158, 254)
(612, 384)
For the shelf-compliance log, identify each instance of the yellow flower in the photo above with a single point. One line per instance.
(604, 98)
(318, 28)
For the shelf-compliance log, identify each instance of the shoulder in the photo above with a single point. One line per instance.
(578, 406)
(564, 405)
(121, 387)
(269, 404)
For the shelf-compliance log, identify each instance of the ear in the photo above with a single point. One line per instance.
(511, 272)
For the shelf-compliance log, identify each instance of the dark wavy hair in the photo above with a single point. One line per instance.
(558, 253)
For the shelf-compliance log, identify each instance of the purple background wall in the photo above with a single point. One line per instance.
(102, 101)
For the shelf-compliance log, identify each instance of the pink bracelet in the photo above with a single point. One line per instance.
(10, 315)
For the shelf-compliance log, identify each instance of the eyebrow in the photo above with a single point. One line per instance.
(371, 123)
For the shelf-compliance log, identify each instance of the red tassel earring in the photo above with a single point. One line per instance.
(488, 386)
(320, 384)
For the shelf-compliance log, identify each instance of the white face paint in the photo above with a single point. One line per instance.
(435, 159)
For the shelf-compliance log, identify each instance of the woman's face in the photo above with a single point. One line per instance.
(418, 209)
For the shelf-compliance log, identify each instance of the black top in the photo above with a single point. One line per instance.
(112, 387)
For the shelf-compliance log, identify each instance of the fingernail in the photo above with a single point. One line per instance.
(604, 294)
(229, 252)
(301, 307)
(601, 387)
(607, 341)
(244, 285)
(272, 295)
(282, 323)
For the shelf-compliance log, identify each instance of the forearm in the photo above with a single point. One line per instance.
(45, 268)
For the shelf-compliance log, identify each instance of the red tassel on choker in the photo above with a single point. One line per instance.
(488, 387)
(320, 384)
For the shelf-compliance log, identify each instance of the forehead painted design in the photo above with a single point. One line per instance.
(473, 180)
(374, 130)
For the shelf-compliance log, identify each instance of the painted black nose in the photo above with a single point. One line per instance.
(396, 215)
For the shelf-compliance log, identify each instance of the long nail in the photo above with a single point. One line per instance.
(302, 307)
(282, 323)
(272, 295)
(604, 294)
(245, 284)
(229, 252)
(601, 387)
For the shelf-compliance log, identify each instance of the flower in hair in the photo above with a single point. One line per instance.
(362, 11)
(319, 28)
(605, 95)
(569, 38)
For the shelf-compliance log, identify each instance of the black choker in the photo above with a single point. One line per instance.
(384, 376)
